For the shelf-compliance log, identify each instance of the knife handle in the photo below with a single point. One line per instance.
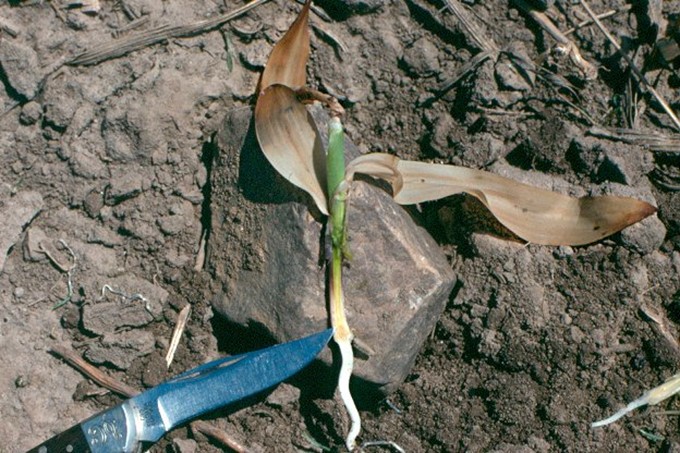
(72, 440)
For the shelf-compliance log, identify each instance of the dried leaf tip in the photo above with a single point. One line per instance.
(287, 64)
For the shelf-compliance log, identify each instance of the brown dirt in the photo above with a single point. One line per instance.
(536, 342)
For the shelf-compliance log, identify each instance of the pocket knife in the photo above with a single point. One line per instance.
(145, 418)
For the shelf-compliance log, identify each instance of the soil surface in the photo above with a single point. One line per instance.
(107, 189)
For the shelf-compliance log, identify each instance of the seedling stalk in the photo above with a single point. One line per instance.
(337, 190)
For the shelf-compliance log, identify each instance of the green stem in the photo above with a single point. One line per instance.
(337, 192)
(335, 167)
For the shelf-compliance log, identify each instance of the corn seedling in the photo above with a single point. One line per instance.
(289, 138)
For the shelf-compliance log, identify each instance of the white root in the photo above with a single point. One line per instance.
(347, 358)
(651, 397)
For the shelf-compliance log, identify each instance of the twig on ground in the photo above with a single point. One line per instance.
(489, 49)
(583, 112)
(473, 30)
(57, 10)
(501, 112)
(93, 373)
(650, 397)
(618, 349)
(58, 264)
(468, 67)
(330, 38)
(118, 48)
(117, 33)
(605, 15)
(200, 255)
(8, 28)
(218, 435)
(665, 179)
(318, 11)
(565, 45)
(129, 12)
(638, 74)
(392, 406)
(652, 140)
(177, 333)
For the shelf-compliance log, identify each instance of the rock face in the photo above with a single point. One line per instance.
(396, 285)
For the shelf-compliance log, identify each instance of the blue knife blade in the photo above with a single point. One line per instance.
(145, 418)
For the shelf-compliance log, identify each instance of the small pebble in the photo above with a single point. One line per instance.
(184, 445)
(21, 382)
(30, 113)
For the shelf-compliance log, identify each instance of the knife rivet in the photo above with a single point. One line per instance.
(42, 449)
(69, 448)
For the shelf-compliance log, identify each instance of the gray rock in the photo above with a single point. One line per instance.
(32, 244)
(84, 161)
(185, 445)
(104, 317)
(60, 102)
(283, 395)
(508, 78)
(421, 58)
(93, 202)
(120, 349)
(439, 135)
(30, 113)
(255, 55)
(20, 65)
(511, 73)
(123, 185)
(606, 161)
(362, 6)
(645, 236)
(396, 285)
(625, 164)
(180, 216)
(485, 91)
(16, 211)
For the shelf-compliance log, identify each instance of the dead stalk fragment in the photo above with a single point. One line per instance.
(118, 48)
(564, 43)
(605, 15)
(653, 140)
(177, 333)
(93, 373)
(474, 31)
(638, 74)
